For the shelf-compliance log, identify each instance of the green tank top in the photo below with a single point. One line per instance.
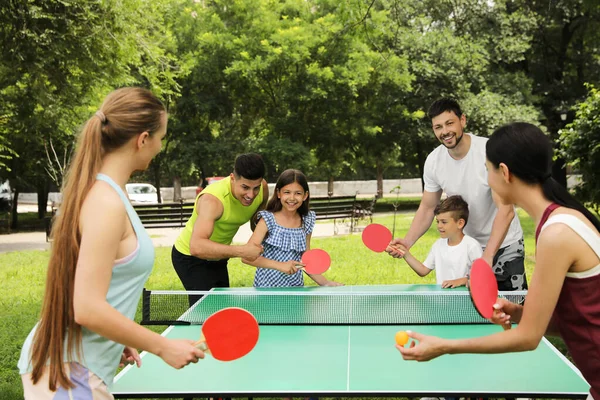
(234, 215)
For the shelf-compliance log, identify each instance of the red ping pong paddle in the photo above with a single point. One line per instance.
(316, 261)
(229, 334)
(376, 237)
(484, 289)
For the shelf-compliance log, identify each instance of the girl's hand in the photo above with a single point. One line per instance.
(130, 356)
(332, 283)
(179, 353)
(289, 267)
(429, 347)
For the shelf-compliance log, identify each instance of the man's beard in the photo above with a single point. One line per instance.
(457, 138)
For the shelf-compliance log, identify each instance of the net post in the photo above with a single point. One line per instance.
(145, 307)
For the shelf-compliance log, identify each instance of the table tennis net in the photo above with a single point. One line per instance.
(318, 308)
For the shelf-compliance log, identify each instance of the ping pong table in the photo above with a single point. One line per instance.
(351, 358)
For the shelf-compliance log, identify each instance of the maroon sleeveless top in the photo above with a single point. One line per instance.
(577, 316)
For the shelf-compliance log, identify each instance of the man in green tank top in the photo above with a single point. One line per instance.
(201, 251)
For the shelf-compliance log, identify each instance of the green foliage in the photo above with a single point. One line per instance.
(344, 85)
(59, 59)
(487, 111)
(580, 146)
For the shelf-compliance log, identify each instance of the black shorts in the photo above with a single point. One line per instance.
(198, 274)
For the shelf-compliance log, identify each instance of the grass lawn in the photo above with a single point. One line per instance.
(23, 274)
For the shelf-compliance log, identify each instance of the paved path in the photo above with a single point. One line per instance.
(161, 237)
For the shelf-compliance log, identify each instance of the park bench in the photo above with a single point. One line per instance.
(165, 215)
(175, 215)
(336, 208)
(364, 209)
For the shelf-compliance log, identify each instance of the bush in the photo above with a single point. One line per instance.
(580, 147)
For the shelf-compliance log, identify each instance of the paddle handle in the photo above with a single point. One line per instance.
(201, 344)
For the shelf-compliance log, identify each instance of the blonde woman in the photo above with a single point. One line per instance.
(100, 260)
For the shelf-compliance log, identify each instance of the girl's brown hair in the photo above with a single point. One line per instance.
(124, 114)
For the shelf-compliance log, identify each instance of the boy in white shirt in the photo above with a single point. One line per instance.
(452, 255)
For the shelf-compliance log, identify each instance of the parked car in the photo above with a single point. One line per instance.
(209, 181)
(142, 193)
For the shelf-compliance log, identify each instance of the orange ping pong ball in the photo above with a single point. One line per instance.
(401, 338)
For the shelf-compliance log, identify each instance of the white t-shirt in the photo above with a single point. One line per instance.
(467, 177)
(452, 262)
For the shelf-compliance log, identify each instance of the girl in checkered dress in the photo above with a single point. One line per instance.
(284, 229)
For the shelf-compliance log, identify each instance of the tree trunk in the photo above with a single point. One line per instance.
(14, 224)
(177, 189)
(421, 157)
(379, 179)
(42, 200)
(330, 186)
(559, 171)
(156, 176)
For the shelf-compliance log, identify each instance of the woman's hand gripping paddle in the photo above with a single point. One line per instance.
(484, 289)
(316, 261)
(229, 334)
(376, 237)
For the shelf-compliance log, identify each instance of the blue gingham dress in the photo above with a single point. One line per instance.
(283, 244)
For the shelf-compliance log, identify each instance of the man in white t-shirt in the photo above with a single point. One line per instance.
(457, 167)
(454, 252)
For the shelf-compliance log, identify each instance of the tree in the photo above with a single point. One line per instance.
(59, 58)
(562, 58)
(580, 147)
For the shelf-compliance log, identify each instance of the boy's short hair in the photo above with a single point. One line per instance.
(249, 166)
(455, 205)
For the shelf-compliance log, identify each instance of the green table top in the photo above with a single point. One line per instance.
(356, 360)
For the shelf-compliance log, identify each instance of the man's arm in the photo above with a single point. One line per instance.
(500, 226)
(424, 216)
(263, 205)
(209, 210)
(420, 223)
(259, 234)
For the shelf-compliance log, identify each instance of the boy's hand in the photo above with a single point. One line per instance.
(452, 283)
(397, 250)
(398, 247)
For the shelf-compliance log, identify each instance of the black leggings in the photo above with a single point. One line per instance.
(198, 274)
